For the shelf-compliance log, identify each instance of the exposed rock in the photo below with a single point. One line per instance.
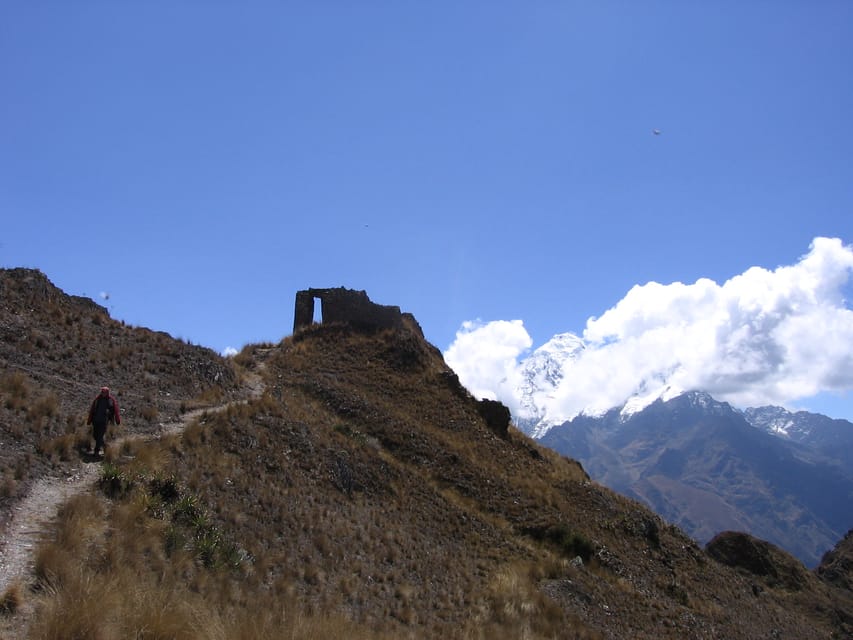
(496, 415)
(759, 558)
(836, 567)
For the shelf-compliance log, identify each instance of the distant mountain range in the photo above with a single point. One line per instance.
(704, 465)
(367, 489)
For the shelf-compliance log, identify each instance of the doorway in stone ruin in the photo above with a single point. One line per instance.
(318, 310)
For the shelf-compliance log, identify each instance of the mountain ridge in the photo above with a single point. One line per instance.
(699, 463)
(363, 494)
(544, 369)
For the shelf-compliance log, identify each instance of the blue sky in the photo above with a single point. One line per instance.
(203, 161)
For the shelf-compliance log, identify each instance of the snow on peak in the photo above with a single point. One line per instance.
(775, 420)
(541, 373)
(641, 400)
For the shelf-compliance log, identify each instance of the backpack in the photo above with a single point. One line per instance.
(104, 411)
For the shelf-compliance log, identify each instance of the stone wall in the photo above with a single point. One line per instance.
(347, 306)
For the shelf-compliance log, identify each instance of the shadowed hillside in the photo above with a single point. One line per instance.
(699, 464)
(56, 351)
(364, 495)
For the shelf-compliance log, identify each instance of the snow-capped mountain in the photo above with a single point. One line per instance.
(778, 421)
(699, 462)
(542, 371)
(828, 436)
(709, 467)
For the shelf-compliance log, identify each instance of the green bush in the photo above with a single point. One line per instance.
(114, 482)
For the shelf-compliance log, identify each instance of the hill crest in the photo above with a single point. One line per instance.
(366, 484)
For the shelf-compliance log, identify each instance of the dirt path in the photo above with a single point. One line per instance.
(34, 515)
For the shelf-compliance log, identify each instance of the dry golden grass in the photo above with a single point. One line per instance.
(59, 448)
(14, 383)
(11, 599)
(46, 406)
(149, 413)
(124, 580)
(516, 607)
(362, 496)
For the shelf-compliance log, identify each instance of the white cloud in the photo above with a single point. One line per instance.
(485, 357)
(229, 351)
(762, 337)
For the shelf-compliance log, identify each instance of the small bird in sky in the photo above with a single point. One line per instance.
(656, 132)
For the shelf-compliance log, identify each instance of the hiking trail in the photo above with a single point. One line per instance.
(33, 516)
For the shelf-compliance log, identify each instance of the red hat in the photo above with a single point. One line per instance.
(107, 389)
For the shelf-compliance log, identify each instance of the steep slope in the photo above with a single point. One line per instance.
(700, 465)
(367, 485)
(831, 437)
(57, 350)
(836, 567)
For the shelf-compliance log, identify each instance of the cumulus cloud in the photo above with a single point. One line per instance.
(229, 351)
(485, 357)
(762, 337)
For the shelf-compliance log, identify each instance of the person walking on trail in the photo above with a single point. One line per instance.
(104, 411)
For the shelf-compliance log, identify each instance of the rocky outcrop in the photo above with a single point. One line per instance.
(760, 558)
(836, 567)
(496, 415)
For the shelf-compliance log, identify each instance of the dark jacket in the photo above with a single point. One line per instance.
(104, 409)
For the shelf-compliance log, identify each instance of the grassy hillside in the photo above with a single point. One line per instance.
(56, 351)
(362, 495)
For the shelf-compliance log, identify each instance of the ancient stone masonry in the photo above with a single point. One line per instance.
(347, 306)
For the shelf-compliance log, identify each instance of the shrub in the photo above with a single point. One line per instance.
(569, 543)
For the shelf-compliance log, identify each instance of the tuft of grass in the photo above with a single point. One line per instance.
(166, 488)
(47, 406)
(149, 413)
(12, 599)
(60, 447)
(15, 384)
(186, 510)
(114, 482)
(207, 398)
(78, 521)
(54, 566)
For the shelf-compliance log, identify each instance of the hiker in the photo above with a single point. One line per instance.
(104, 410)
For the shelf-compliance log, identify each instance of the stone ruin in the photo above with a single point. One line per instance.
(345, 306)
(355, 309)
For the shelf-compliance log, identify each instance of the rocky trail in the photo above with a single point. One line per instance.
(34, 515)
